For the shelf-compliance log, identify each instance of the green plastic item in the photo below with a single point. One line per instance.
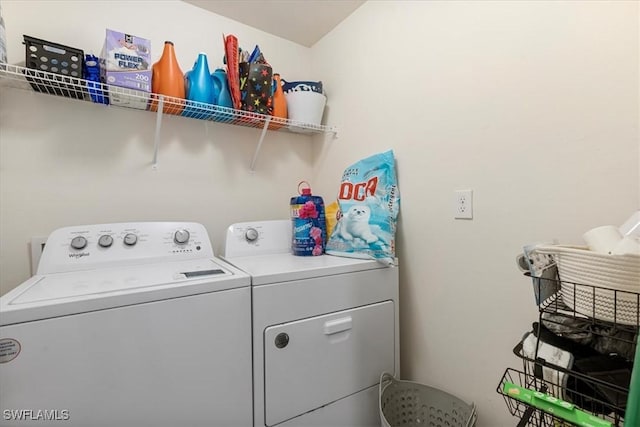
(552, 405)
(632, 414)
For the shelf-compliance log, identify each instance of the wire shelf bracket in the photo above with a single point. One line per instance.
(259, 146)
(156, 141)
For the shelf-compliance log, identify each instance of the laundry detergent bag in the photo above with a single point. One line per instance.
(364, 223)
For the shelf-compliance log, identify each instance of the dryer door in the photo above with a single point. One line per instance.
(312, 362)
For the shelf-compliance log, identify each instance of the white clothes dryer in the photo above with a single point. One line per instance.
(132, 324)
(324, 329)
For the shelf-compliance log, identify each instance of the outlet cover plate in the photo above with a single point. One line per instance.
(463, 204)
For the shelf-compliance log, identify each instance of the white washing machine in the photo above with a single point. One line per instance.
(324, 329)
(133, 324)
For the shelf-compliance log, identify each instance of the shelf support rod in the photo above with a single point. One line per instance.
(260, 141)
(156, 144)
(334, 130)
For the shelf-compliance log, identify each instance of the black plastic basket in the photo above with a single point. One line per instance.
(54, 68)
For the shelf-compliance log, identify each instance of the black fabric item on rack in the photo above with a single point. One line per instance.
(603, 339)
(608, 340)
(568, 327)
(611, 369)
(596, 397)
(577, 349)
(591, 395)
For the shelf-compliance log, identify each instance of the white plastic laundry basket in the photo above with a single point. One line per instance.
(305, 107)
(410, 404)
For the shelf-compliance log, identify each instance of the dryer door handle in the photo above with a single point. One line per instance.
(338, 325)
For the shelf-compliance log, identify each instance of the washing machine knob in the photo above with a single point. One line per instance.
(130, 239)
(251, 235)
(78, 242)
(181, 236)
(105, 241)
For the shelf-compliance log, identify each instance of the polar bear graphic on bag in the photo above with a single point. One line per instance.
(355, 224)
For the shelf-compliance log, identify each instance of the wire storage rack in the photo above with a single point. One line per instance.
(577, 356)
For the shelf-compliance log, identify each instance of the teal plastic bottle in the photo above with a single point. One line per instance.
(199, 88)
(309, 227)
(223, 98)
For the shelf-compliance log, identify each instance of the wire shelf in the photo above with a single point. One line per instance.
(84, 90)
(603, 393)
(14, 76)
(529, 415)
(589, 307)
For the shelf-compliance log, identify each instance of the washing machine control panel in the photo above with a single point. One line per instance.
(105, 245)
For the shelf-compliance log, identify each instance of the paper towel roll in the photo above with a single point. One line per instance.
(603, 239)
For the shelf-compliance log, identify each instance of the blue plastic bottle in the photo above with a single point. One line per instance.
(92, 75)
(309, 227)
(223, 99)
(199, 87)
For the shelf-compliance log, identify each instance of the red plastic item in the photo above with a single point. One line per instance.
(233, 66)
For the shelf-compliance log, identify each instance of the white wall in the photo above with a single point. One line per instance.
(534, 106)
(64, 162)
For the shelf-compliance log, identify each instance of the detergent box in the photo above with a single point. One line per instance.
(125, 65)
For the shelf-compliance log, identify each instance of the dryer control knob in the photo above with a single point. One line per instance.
(105, 241)
(130, 239)
(78, 242)
(282, 340)
(181, 236)
(251, 235)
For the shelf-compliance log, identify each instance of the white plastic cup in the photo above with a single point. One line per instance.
(603, 239)
(627, 246)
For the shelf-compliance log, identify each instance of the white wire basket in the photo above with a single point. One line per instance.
(604, 287)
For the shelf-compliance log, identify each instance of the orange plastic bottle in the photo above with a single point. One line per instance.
(168, 79)
(279, 103)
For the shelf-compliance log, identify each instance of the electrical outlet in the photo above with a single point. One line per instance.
(37, 246)
(463, 204)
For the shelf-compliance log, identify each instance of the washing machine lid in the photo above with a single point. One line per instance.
(59, 294)
(283, 267)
